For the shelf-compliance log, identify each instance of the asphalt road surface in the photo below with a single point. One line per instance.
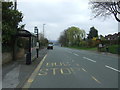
(70, 68)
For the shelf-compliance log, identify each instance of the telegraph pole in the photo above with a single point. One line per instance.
(44, 30)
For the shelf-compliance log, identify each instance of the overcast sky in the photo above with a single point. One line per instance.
(58, 15)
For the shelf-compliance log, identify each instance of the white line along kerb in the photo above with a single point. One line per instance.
(89, 59)
(112, 68)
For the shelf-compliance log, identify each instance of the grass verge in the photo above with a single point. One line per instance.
(84, 48)
(115, 49)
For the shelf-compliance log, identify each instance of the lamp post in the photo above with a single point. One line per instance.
(36, 31)
(44, 30)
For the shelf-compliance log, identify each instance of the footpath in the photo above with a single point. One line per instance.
(15, 74)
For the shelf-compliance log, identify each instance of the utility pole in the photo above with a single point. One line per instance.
(44, 30)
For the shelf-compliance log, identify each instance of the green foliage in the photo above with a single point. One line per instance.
(92, 33)
(83, 44)
(92, 43)
(6, 49)
(75, 35)
(102, 37)
(43, 41)
(84, 48)
(10, 23)
(63, 39)
(110, 42)
(72, 36)
(114, 49)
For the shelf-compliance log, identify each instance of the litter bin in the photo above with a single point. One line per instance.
(28, 58)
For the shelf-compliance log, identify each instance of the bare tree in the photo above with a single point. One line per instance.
(106, 8)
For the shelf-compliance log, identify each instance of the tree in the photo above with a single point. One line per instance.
(106, 8)
(75, 35)
(92, 33)
(43, 41)
(72, 36)
(102, 37)
(63, 39)
(10, 23)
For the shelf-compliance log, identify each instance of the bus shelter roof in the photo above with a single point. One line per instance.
(25, 33)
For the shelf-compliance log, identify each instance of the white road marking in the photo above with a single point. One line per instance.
(112, 68)
(75, 54)
(89, 59)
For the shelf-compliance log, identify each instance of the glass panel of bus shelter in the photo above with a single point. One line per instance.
(33, 48)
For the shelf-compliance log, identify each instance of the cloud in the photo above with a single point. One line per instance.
(61, 14)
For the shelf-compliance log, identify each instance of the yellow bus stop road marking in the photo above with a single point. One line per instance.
(96, 79)
(33, 75)
(84, 70)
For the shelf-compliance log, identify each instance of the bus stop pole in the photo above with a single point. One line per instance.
(37, 49)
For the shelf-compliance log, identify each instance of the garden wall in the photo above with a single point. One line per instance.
(8, 56)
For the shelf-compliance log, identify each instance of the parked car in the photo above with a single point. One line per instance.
(50, 46)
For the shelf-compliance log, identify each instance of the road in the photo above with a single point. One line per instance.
(70, 68)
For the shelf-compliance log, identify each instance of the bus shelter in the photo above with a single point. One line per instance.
(32, 41)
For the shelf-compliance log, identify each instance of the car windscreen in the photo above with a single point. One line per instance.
(50, 44)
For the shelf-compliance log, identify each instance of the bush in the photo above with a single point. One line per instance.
(92, 43)
(114, 49)
(83, 44)
(6, 49)
(111, 42)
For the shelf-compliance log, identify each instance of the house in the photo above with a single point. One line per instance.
(112, 37)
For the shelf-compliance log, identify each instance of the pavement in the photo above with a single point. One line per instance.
(71, 68)
(16, 73)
